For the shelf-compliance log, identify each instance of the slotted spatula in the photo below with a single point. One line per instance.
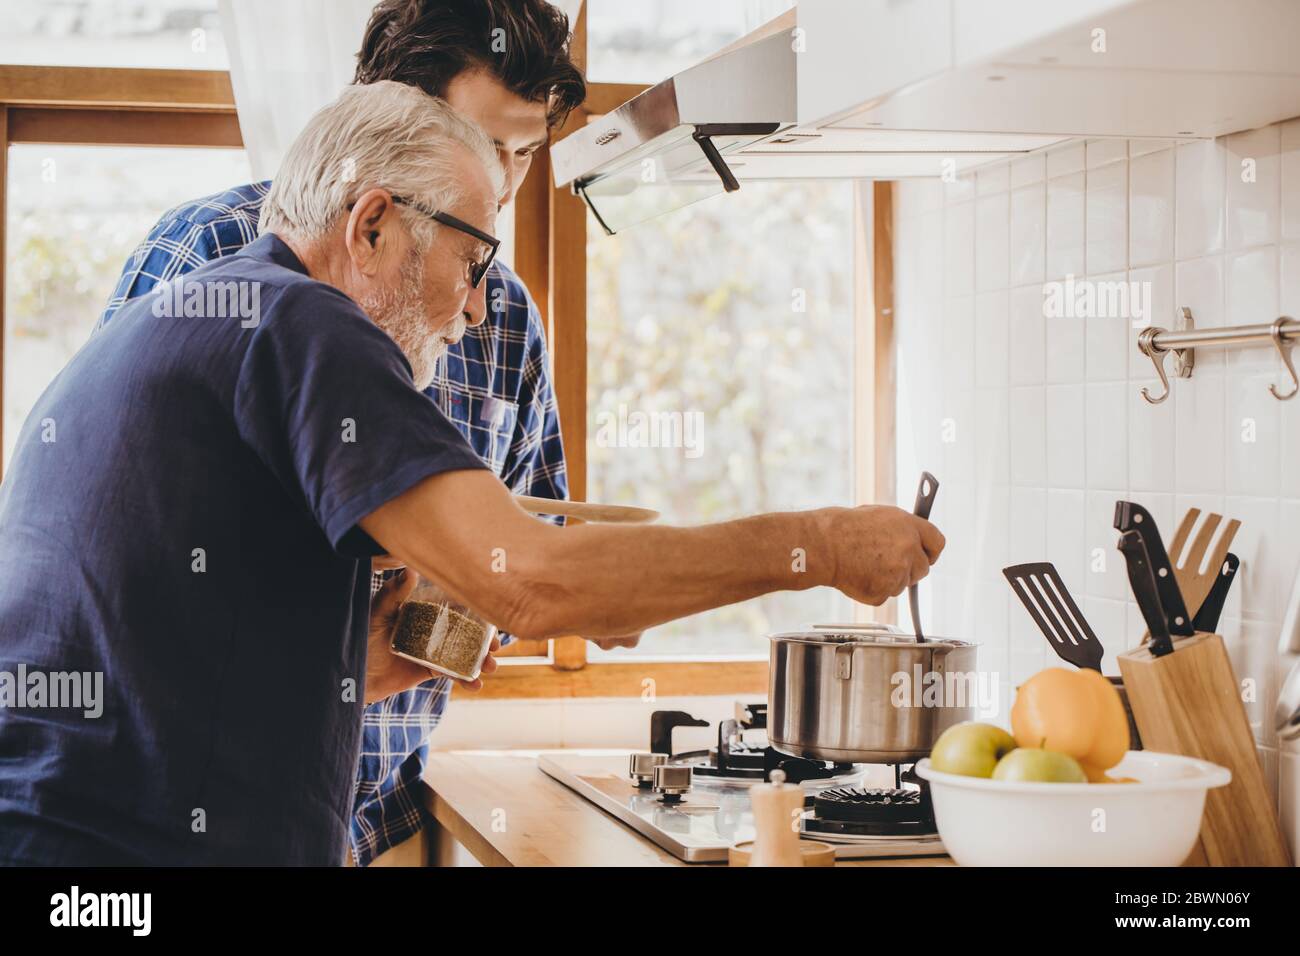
(1194, 574)
(1049, 603)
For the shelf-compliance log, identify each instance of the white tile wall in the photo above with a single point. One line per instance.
(1057, 428)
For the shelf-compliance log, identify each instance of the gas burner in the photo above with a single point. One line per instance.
(736, 760)
(856, 812)
(757, 766)
(856, 805)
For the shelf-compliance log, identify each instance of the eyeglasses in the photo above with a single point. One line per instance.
(477, 270)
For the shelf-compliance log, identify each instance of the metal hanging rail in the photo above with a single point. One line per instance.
(1156, 343)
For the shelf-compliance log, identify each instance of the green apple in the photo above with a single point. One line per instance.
(971, 749)
(1032, 765)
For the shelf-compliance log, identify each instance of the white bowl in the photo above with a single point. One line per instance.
(1153, 822)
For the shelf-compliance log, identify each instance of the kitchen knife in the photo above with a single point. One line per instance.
(925, 493)
(1207, 618)
(1133, 517)
(1140, 576)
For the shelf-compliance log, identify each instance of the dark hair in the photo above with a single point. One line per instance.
(425, 43)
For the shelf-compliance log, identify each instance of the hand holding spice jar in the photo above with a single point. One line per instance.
(388, 673)
(437, 631)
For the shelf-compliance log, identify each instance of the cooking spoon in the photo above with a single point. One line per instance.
(925, 493)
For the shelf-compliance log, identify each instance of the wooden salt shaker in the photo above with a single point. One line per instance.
(776, 807)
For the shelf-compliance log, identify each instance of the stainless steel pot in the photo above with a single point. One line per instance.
(857, 693)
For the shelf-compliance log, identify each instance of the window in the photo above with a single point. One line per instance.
(651, 40)
(720, 380)
(75, 213)
(693, 312)
(158, 34)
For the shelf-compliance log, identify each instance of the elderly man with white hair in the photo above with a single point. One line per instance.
(195, 500)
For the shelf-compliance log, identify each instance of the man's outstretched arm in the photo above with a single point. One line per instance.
(463, 530)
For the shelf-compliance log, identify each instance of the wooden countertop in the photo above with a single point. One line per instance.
(506, 812)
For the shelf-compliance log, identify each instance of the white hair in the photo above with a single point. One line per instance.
(386, 135)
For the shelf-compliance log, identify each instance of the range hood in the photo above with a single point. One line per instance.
(672, 138)
(891, 89)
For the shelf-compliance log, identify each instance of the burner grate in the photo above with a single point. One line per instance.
(858, 805)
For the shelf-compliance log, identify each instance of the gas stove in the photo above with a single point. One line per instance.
(742, 755)
(695, 804)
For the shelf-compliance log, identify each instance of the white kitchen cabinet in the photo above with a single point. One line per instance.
(1130, 68)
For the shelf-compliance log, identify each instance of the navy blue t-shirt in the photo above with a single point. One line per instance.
(181, 517)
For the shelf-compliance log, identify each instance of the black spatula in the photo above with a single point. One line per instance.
(1048, 602)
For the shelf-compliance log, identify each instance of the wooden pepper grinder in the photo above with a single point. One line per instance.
(776, 806)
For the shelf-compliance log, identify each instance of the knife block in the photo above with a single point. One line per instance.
(1189, 703)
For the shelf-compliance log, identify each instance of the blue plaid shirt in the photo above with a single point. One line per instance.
(494, 386)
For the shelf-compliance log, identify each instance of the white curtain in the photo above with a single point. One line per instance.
(288, 58)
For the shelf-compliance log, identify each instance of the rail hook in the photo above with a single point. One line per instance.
(1284, 350)
(1147, 343)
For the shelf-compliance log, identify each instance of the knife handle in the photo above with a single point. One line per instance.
(1207, 618)
(1142, 579)
(1130, 516)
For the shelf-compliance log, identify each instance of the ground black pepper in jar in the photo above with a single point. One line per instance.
(437, 631)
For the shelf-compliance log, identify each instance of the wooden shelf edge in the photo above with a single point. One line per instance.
(631, 679)
(105, 127)
(116, 88)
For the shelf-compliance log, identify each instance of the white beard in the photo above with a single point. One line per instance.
(401, 314)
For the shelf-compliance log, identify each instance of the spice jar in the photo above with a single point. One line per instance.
(436, 630)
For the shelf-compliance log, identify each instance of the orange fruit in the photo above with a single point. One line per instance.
(1074, 712)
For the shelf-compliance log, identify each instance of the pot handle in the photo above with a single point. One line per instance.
(844, 661)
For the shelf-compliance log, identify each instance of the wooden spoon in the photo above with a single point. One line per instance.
(604, 514)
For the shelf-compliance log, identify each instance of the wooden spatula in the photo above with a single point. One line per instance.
(587, 511)
(1194, 574)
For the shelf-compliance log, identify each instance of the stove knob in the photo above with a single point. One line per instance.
(672, 781)
(641, 767)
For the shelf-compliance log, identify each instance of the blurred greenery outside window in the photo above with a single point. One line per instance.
(727, 325)
(726, 329)
(75, 215)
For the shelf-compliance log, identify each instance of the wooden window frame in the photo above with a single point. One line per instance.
(193, 108)
(94, 106)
